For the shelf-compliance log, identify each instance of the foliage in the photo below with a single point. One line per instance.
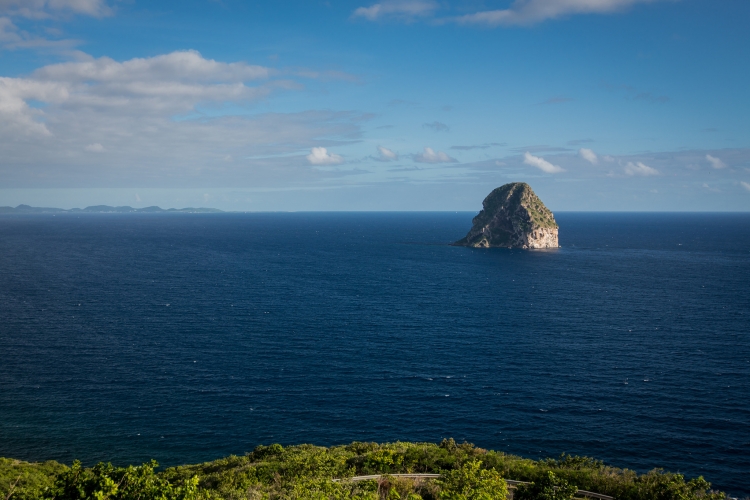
(658, 485)
(315, 472)
(26, 481)
(104, 481)
(548, 487)
(471, 482)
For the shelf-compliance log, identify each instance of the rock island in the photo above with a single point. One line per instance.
(512, 216)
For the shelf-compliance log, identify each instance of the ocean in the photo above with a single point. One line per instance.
(188, 337)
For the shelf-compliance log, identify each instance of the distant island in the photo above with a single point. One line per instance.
(512, 216)
(105, 209)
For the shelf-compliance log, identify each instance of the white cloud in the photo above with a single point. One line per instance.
(386, 154)
(639, 168)
(541, 164)
(40, 9)
(745, 185)
(15, 113)
(404, 10)
(588, 155)
(715, 162)
(149, 114)
(162, 85)
(525, 12)
(181, 67)
(321, 156)
(94, 148)
(431, 156)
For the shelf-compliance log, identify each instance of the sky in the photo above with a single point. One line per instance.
(600, 105)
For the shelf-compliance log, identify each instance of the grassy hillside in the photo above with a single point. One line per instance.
(308, 472)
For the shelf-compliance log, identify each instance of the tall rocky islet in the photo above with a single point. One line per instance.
(512, 216)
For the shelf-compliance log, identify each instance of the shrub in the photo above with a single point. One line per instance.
(471, 482)
(26, 481)
(549, 487)
(104, 481)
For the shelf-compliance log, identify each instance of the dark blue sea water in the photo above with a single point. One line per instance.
(190, 337)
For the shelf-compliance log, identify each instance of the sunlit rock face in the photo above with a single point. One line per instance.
(512, 216)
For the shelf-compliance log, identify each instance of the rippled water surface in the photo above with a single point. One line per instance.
(189, 337)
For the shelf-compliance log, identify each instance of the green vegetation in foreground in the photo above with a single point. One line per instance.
(307, 472)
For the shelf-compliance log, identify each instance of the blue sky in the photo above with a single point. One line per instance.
(375, 105)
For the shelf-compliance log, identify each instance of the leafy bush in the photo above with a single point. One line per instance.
(26, 481)
(471, 482)
(548, 487)
(105, 481)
